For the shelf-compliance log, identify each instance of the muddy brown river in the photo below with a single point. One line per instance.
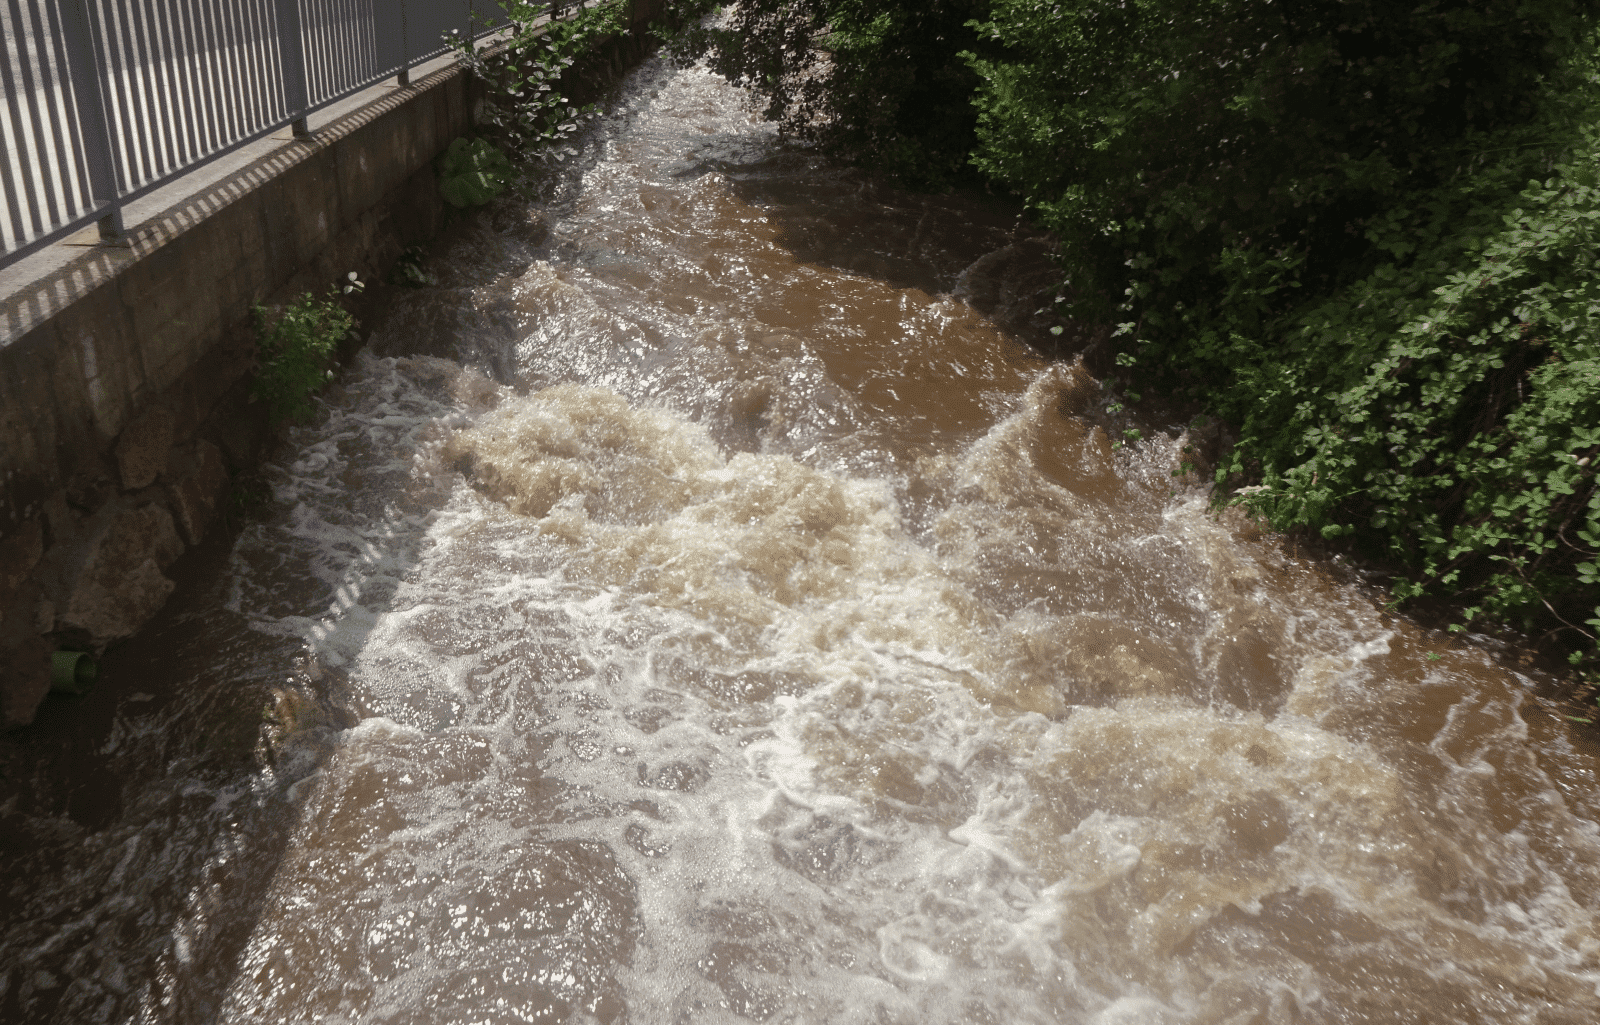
(718, 610)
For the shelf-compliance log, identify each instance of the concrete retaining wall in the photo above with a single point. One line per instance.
(124, 375)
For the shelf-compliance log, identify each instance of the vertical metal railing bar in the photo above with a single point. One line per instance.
(335, 55)
(174, 72)
(219, 77)
(220, 84)
(245, 58)
(83, 32)
(293, 61)
(106, 99)
(336, 39)
(193, 59)
(18, 90)
(232, 82)
(186, 78)
(109, 51)
(185, 97)
(364, 55)
(369, 36)
(272, 59)
(164, 70)
(330, 43)
(360, 64)
(244, 53)
(405, 47)
(11, 224)
(147, 90)
(341, 35)
(381, 47)
(58, 117)
(208, 62)
(125, 93)
(175, 69)
(255, 56)
(309, 45)
(201, 77)
(143, 65)
(64, 118)
(38, 76)
(229, 84)
(392, 45)
(333, 41)
(362, 18)
(314, 30)
(255, 59)
(14, 180)
(321, 44)
(47, 169)
(46, 156)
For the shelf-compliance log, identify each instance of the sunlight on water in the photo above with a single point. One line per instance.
(768, 636)
(739, 621)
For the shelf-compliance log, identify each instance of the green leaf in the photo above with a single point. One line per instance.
(472, 173)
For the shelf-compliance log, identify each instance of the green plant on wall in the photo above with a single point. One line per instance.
(295, 350)
(524, 110)
(472, 173)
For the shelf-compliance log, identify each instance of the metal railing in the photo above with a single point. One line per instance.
(106, 100)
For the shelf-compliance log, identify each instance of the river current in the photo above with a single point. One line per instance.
(718, 610)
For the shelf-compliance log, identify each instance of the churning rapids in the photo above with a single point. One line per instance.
(730, 617)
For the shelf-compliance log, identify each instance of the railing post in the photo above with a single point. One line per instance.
(291, 45)
(473, 24)
(405, 49)
(84, 60)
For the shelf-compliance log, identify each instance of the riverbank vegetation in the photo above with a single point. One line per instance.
(1365, 234)
(296, 346)
(526, 110)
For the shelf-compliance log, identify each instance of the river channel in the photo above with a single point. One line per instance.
(708, 604)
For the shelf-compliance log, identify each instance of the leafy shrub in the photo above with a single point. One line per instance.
(472, 173)
(1200, 159)
(408, 270)
(1363, 232)
(295, 350)
(524, 109)
(1445, 412)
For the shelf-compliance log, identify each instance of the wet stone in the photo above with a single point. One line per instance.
(197, 478)
(108, 582)
(19, 553)
(24, 678)
(141, 449)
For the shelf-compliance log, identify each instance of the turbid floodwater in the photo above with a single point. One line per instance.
(713, 606)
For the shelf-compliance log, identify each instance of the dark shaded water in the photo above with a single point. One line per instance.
(733, 618)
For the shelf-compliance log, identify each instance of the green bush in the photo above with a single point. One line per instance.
(295, 350)
(1200, 159)
(524, 109)
(472, 173)
(1444, 412)
(1362, 232)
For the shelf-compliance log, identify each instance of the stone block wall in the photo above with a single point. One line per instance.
(124, 376)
